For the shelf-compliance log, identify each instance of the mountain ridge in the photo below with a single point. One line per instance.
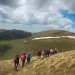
(13, 34)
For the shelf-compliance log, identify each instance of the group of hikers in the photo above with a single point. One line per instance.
(23, 57)
(46, 53)
(39, 53)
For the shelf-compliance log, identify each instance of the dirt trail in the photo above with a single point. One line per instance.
(58, 64)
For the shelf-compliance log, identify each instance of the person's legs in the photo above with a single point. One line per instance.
(48, 54)
(23, 63)
(28, 61)
(15, 65)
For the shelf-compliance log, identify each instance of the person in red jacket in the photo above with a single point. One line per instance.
(23, 58)
(38, 53)
(16, 61)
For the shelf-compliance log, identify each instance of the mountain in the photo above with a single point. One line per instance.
(18, 46)
(13, 34)
(58, 64)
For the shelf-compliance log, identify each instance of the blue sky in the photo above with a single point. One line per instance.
(66, 14)
(71, 16)
(37, 15)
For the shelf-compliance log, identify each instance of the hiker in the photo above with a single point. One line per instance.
(42, 53)
(16, 61)
(55, 51)
(28, 57)
(38, 53)
(47, 53)
(51, 51)
(23, 58)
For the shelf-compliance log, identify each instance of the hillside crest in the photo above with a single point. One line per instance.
(58, 64)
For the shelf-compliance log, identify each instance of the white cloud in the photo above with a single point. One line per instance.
(68, 4)
(38, 12)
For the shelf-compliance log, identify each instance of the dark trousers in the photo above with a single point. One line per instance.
(28, 61)
(16, 65)
(23, 63)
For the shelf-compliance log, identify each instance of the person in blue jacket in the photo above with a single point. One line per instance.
(28, 57)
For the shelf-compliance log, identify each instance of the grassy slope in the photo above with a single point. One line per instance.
(18, 46)
(53, 33)
(58, 64)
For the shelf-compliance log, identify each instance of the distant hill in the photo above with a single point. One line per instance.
(13, 34)
(53, 33)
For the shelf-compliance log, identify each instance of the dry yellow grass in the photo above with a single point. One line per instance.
(58, 64)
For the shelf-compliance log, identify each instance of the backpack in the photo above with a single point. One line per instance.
(14, 59)
(23, 57)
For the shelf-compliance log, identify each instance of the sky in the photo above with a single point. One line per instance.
(37, 15)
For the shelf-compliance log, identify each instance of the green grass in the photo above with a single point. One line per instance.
(18, 46)
(4, 48)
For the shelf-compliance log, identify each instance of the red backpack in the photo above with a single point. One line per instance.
(23, 57)
(38, 53)
(14, 59)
